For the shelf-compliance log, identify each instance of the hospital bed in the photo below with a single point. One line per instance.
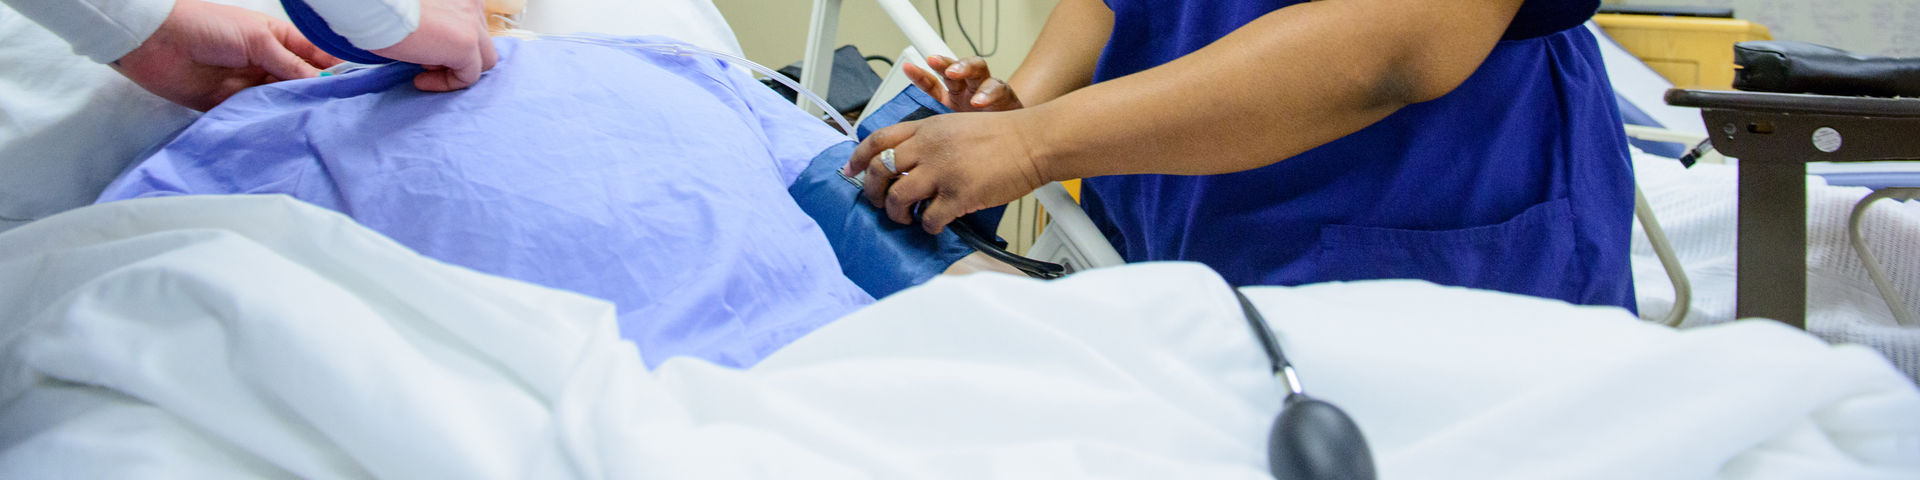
(336, 352)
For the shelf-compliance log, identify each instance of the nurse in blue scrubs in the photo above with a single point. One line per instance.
(1470, 142)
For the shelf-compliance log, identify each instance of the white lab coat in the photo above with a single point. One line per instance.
(105, 30)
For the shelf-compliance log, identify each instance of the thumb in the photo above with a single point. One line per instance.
(299, 45)
(277, 60)
(284, 64)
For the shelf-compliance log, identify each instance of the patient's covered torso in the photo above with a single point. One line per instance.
(654, 181)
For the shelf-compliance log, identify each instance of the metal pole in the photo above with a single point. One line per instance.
(818, 60)
(919, 33)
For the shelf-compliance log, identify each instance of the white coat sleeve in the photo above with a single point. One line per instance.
(103, 30)
(369, 24)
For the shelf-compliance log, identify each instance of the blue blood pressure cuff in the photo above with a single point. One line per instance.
(911, 104)
(317, 31)
(880, 256)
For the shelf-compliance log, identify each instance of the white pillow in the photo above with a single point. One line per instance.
(693, 21)
(68, 126)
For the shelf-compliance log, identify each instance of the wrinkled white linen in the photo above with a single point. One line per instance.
(256, 336)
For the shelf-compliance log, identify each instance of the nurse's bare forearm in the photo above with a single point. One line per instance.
(1064, 56)
(1292, 80)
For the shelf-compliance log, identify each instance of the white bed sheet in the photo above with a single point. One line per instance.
(257, 336)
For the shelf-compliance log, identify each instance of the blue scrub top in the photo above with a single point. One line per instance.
(1518, 180)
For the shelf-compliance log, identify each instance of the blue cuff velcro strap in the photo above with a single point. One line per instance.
(317, 31)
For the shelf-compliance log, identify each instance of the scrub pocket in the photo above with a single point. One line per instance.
(1530, 254)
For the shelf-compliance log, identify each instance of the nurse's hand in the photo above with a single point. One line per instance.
(970, 87)
(451, 42)
(205, 52)
(959, 163)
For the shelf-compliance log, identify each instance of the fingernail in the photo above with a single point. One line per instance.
(980, 99)
(956, 70)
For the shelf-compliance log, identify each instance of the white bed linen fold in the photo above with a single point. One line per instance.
(256, 336)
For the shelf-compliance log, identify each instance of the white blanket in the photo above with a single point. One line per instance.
(255, 336)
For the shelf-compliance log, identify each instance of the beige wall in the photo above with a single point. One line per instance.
(774, 32)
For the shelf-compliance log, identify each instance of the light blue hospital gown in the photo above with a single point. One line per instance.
(659, 183)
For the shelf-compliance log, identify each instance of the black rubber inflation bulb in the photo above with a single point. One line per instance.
(1314, 440)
